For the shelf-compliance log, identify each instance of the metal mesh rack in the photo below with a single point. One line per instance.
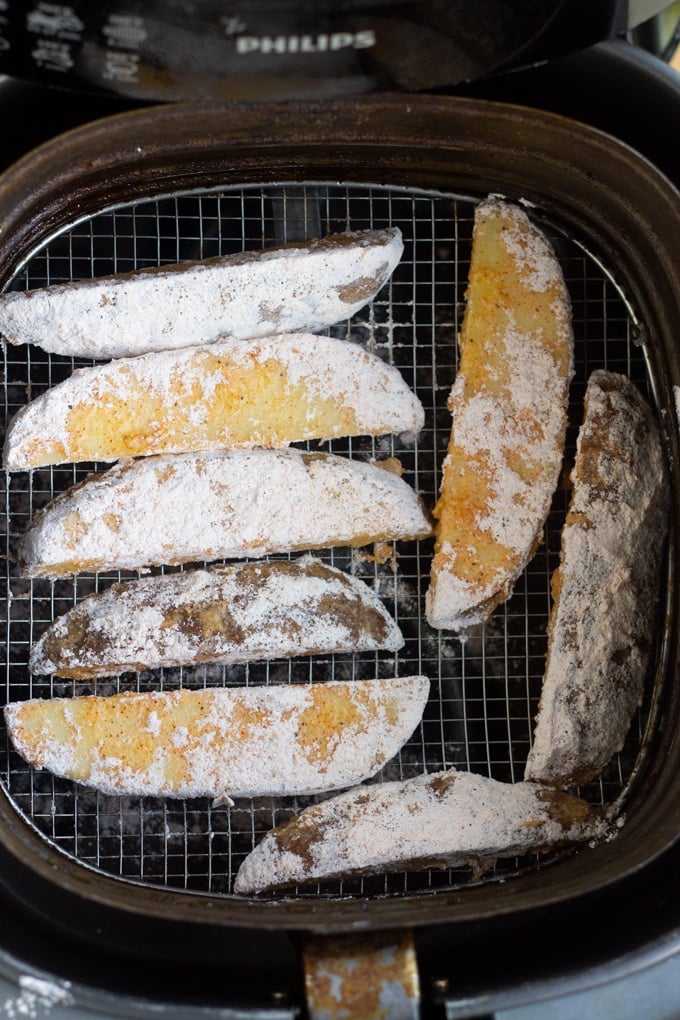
(484, 691)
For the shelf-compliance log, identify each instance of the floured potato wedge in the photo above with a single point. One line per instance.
(210, 506)
(226, 742)
(606, 589)
(509, 406)
(447, 819)
(267, 392)
(279, 290)
(231, 614)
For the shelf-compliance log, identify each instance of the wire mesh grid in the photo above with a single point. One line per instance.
(484, 692)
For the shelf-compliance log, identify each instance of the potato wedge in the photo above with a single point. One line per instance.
(237, 613)
(509, 408)
(236, 393)
(447, 819)
(210, 506)
(606, 588)
(221, 742)
(278, 290)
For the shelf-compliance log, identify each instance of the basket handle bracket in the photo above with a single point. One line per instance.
(373, 976)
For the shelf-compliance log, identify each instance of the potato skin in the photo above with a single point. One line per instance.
(281, 740)
(215, 505)
(305, 286)
(509, 417)
(227, 614)
(445, 819)
(606, 589)
(232, 394)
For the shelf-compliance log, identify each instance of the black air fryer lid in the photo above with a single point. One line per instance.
(153, 50)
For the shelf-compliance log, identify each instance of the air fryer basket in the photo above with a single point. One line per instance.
(171, 184)
(484, 691)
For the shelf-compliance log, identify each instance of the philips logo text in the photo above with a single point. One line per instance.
(305, 43)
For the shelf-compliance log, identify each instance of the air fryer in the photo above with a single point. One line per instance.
(124, 954)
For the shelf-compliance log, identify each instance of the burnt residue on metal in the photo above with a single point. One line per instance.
(374, 977)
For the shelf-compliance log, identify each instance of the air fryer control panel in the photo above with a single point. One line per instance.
(268, 49)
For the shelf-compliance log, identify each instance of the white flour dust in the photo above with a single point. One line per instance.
(36, 998)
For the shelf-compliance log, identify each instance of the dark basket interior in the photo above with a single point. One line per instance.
(484, 691)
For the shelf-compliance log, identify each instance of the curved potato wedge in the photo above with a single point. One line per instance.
(606, 588)
(221, 742)
(231, 614)
(278, 290)
(210, 506)
(509, 408)
(267, 392)
(442, 820)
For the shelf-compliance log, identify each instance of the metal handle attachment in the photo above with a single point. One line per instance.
(367, 977)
